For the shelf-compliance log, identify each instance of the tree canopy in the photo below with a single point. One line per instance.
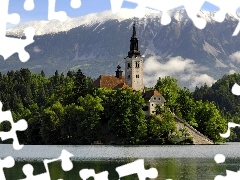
(67, 109)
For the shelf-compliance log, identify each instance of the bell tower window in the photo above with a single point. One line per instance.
(137, 64)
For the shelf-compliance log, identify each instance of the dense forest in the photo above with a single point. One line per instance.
(67, 109)
(228, 103)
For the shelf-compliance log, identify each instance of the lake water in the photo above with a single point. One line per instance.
(183, 162)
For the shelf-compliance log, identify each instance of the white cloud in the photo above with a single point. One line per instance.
(235, 57)
(36, 49)
(174, 65)
(202, 79)
(232, 71)
(232, 66)
(220, 64)
(185, 70)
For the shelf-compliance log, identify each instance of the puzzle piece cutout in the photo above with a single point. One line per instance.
(161, 5)
(8, 162)
(236, 89)
(137, 167)
(52, 14)
(11, 45)
(227, 7)
(87, 173)
(29, 5)
(76, 4)
(66, 165)
(21, 125)
(230, 175)
(230, 125)
(192, 9)
(219, 158)
(60, 15)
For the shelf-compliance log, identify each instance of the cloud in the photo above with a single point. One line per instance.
(174, 65)
(185, 70)
(36, 49)
(220, 64)
(202, 79)
(232, 71)
(235, 57)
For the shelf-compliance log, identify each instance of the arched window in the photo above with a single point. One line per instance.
(137, 64)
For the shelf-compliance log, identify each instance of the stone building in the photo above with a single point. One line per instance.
(134, 64)
(133, 77)
(152, 99)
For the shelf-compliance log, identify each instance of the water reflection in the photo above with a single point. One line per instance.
(168, 168)
(172, 162)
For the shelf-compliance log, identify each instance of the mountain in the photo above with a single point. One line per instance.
(97, 43)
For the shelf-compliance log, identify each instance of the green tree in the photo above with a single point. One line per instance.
(169, 88)
(125, 116)
(33, 116)
(83, 120)
(51, 124)
(210, 122)
(160, 128)
(92, 112)
(81, 86)
(186, 106)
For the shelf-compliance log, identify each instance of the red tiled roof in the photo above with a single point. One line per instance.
(109, 82)
(150, 93)
(122, 85)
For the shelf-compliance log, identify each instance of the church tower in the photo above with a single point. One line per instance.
(134, 64)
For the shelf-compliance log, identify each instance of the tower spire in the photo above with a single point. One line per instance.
(134, 64)
(134, 44)
(134, 35)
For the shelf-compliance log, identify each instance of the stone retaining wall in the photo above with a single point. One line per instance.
(198, 138)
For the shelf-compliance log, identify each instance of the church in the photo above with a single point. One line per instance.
(133, 77)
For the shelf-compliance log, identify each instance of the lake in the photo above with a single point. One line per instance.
(179, 162)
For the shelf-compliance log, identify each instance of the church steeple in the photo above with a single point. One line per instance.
(134, 35)
(134, 64)
(134, 44)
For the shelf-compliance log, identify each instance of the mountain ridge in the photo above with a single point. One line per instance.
(179, 49)
(94, 18)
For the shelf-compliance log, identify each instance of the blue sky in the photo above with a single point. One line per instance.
(88, 6)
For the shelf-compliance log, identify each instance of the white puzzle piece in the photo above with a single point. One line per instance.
(66, 164)
(21, 125)
(137, 167)
(8, 162)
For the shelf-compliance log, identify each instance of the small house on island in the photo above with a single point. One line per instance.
(152, 99)
(133, 77)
